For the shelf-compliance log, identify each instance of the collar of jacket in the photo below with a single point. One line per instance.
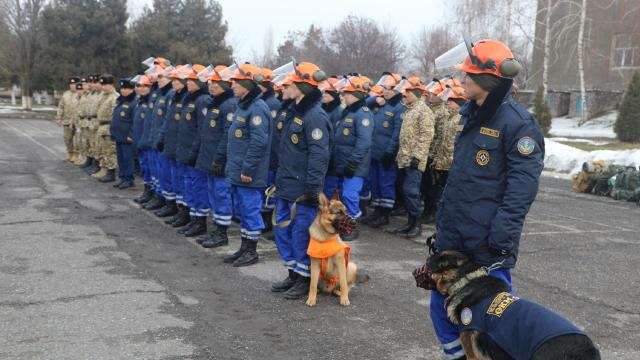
(284, 106)
(154, 87)
(307, 102)
(332, 105)
(395, 100)
(485, 112)
(191, 96)
(143, 99)
(217, 100)
(245, 102)
(267, 94)
(353, 107)
(164, 90)
(126, 98)
(178, 94)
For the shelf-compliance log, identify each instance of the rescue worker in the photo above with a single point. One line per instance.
(416, 134)
(247, 167)
(146, 141)
(140, 115)
(386, 131)
(66, 107)
(121, 131)
(497, 162)
(105, 147)
(302, 167)
(351, 153)
(281, 116)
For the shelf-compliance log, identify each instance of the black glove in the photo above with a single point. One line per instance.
(311, 199)
(414, 163)
(350, 170)
(387, 161)
(160, 146)
(217, 169)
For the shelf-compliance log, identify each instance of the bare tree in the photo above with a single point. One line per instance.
(19, 45)
(428, 44)
(583, 18)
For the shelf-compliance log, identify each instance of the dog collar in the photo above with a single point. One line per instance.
(465, 280)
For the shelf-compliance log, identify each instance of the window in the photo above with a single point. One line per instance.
(626, 52)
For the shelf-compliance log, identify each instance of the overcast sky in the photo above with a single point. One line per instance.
(249, 20)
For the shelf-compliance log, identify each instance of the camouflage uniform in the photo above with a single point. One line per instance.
(416, 135)
(444, 146)
(92, 112)
(84, 103)
(105, 147)
(441, 114)
(75, 122)
(65, 108)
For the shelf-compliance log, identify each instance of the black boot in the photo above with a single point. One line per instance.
(217, 238)
(250, 256)
(185, 228)
(199, 227)
(156, 203)
(86, 163)
(146, 195)
(299, 290)
(285, 284)
(366, 220)
(266, 219)
(233, 257)
(175, 217)
(169, 209)
(110, 177)
(382, 219)
(182, 218)
(363, 207)
(92, 168)
(404, 228)
(416, 227)
(399, 211)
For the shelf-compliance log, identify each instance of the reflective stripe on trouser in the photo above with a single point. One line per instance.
(249, 202)
(349, 192)
(411, 189)
(383, 185)
(219, 192)
(195, 191)
(177, 182)
(164, 170)
(155, 170)
(292, 241)
(124, 154)
(447, 332)
(67, 134)
(271, 204)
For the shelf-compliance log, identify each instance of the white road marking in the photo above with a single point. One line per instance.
(20, 132)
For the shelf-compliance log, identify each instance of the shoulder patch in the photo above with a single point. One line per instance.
(204, 111)
(526, 145)
(365, 122)
(490, 132)
(365, 109)
(256, 120)
(230, 117)
(316, 134)
(500, 304)
(466, 316)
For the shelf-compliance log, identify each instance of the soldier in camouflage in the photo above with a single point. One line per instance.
(83, 122)
(92, 117)
(64, 117)
(415, 139)
(105, 147)
(75, 122)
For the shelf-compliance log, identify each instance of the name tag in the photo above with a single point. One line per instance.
(388, 113)
(297, 121)
(215, 111)
(126, 106)
(179, 105)
(490, 132)
(161, 101)
(349, 120)
(459, 127)
(192, 105)
(241, 119)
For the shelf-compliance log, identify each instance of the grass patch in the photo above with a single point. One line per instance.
(610, 146)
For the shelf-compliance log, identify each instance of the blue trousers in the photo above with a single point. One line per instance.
(349, 192)
(124, 154)
(411, 189)
(164, 169)
(292, 241)
(219, 192)
(195, 191)
(365, 192)
(383, 185)
(447, 332)
(177, 181)
(268, 206)
(145, 170)
(154, 162)
(249, 201)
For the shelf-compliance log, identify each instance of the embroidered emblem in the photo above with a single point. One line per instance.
(482, 157)
(161, 101)
(346, 132)
(188, 116)
(280, 125)
(283, 114)
(365, 122)
(151, 105)
(179, 105)
(466, 316)
(500, 304)
(316, 134)
(297, 121)
(256, 120)
(294, 138)
(388, 113)
(204, 111)
(348, 120)
(526, 145)
(154, 95)
(212, 123)
(177, 117)
(238, 133)
(385, 124)
(273, 114)
(126, 106)
(490, 132)
(215, 111)
(122, 113)
(241, 119)
(192, 105)
(144, 106)
(159, 111)
(230, 117)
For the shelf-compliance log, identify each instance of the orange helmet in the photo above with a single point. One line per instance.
(181, 72)
(328, 85)
(160, 61)
(353, 84)
(142, 80)
(436, 86)
(490, 57)
(265, 75)
(389, 80)
(246, 71)
(410, 83)
(376, 90)
(309, 73)
(192, 71)
(452, 92)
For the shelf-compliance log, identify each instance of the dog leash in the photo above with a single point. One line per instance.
(268, 195)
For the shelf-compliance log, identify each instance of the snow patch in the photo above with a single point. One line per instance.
(568, 160)
(578, 140)
(600, 127)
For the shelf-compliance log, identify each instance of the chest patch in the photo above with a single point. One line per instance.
(151, 105)
(316, 134)
(294, 138)
(159, 111)
(280, 125)
(526, 145)
(230, 117)
(459, 127)
(256, 120)
(490, 132)
(500, 303)
(346, 131)
(122, 113)
(204, 111)
(365, 122)
(385, 124)
(482, 157)
(188, 116)
(466, 316)
(238, 133)
(177, 117)
(212, 123)
(297, 121)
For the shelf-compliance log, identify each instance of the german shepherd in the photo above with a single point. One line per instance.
(334, 265)
(465, 284)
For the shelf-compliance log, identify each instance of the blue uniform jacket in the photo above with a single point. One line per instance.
(276, 132)
(249, 142)
(518, 326)
(334, 111)
(213, 131)
(272, 102)
(122, 119)
(141, 115)
(352, 140)
(304, 149)
(147, 127)
(169, 133)
(194, 110)
(386, 128)
(497, 161)
(159, 117)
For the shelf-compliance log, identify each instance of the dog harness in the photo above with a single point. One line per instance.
(325, 249)
(518, 326)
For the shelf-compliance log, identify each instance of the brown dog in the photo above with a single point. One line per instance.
(329, 255)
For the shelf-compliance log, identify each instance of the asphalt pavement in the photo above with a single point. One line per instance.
(86, 274)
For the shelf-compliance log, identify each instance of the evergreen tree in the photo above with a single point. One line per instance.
(542, 112)
(627, 126)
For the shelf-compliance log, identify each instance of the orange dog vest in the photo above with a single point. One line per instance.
(324, 249)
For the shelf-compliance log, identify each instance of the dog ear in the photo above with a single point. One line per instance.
(336, 195)
(322, 200)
